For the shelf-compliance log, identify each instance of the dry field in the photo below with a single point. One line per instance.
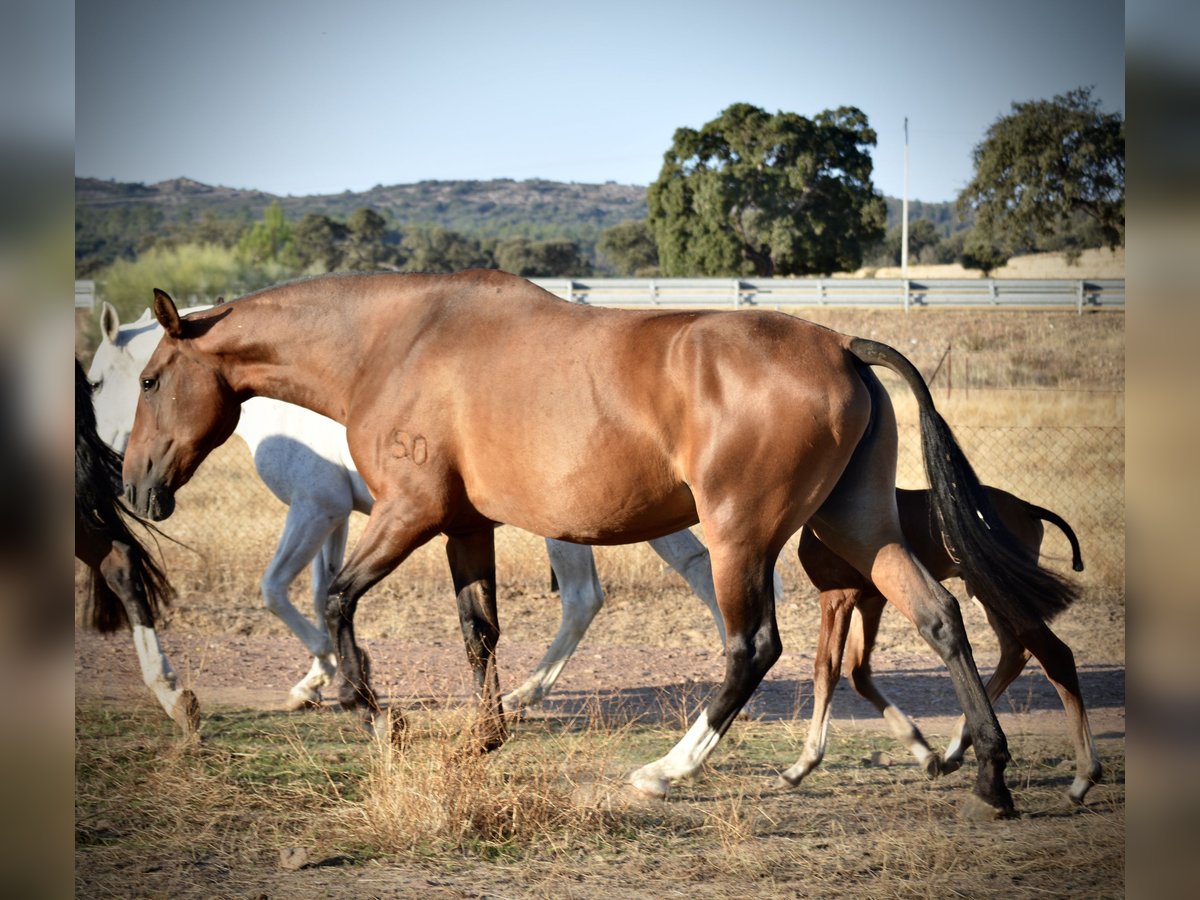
(1036, 398)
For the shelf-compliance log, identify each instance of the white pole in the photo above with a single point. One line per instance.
(904, 212)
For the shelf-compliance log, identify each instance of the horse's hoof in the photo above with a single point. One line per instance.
(783, 783)
(975, 809)
(655, 786)
(933, 766)
(515, 704)
(1078, 791)
(950, 765)
(186, 713)
(297, 701)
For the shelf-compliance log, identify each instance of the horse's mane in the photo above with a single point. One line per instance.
(98, 510)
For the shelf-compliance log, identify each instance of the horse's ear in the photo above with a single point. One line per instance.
(167, 314)
(110, 322)
(220, 300)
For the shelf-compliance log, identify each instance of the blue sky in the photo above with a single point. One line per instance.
(308, 97)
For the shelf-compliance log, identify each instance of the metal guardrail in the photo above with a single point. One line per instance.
(849, 293)
(85, 294)
(775, 293)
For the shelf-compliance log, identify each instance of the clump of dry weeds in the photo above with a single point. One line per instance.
(438, 793)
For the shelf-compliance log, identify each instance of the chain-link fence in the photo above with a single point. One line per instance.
(231, 522)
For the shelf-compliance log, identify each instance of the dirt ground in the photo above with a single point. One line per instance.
(641, 656)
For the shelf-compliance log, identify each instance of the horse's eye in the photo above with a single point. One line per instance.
(96, 385)
(149, 383)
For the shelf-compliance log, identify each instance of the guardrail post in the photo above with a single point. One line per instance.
(820, 292)
(737, 294)
(1079, 296)
(570, 291)
(992, 292)
(653, 293)
(906, 295)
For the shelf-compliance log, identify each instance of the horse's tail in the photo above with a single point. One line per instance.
(1007, 580)
(1058, 521)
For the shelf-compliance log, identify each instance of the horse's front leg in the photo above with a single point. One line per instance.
(472, 558)
(392, 533)
(120, 571)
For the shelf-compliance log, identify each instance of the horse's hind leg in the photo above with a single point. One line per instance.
(868, 612)
(836, 609)
(860, 523)
(473, 567)
(118, 570)
(582, 597)
(745, 591)
(1058, 663)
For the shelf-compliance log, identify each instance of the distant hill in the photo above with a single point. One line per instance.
(115, 218)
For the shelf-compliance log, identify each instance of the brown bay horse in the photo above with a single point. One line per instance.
(851, 608)
(478, 398)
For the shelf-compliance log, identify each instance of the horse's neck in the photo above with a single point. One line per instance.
(275, 350)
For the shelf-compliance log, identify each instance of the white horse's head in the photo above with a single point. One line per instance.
(119, 360)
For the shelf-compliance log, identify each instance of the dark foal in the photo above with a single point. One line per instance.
(850, 610)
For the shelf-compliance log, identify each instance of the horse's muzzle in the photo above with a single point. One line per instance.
(155, 504)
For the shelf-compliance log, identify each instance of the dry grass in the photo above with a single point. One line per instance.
(549, 815)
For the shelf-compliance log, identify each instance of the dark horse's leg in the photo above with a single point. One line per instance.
(392, 533)
(118, 566)
(472, 560)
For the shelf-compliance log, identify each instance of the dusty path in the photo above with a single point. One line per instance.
(638, 681)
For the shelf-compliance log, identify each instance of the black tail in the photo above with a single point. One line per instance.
(1008, 582)
(1055, 519)
(98, 511)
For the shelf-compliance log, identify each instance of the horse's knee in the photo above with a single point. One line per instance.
(274, 595)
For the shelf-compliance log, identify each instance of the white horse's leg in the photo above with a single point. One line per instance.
(304, 533)
(684, 553)
(582, 597)
(325, 566)
(157, 674)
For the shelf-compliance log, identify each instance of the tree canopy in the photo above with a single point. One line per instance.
(629, 247)
(1043, 166)
(755, 193)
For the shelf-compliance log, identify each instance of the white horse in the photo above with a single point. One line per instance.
(304, 459)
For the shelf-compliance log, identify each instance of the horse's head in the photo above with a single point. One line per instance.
(114, 371)
(185, 409)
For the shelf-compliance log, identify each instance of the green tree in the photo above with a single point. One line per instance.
(434, 249)
(367, 246)
(630, 248)
(541, 259)
(979, 252)
(270, 239)
(755, 193)
(1042, 165)
(320, 242)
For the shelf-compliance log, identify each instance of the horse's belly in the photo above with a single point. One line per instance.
(605, 501)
